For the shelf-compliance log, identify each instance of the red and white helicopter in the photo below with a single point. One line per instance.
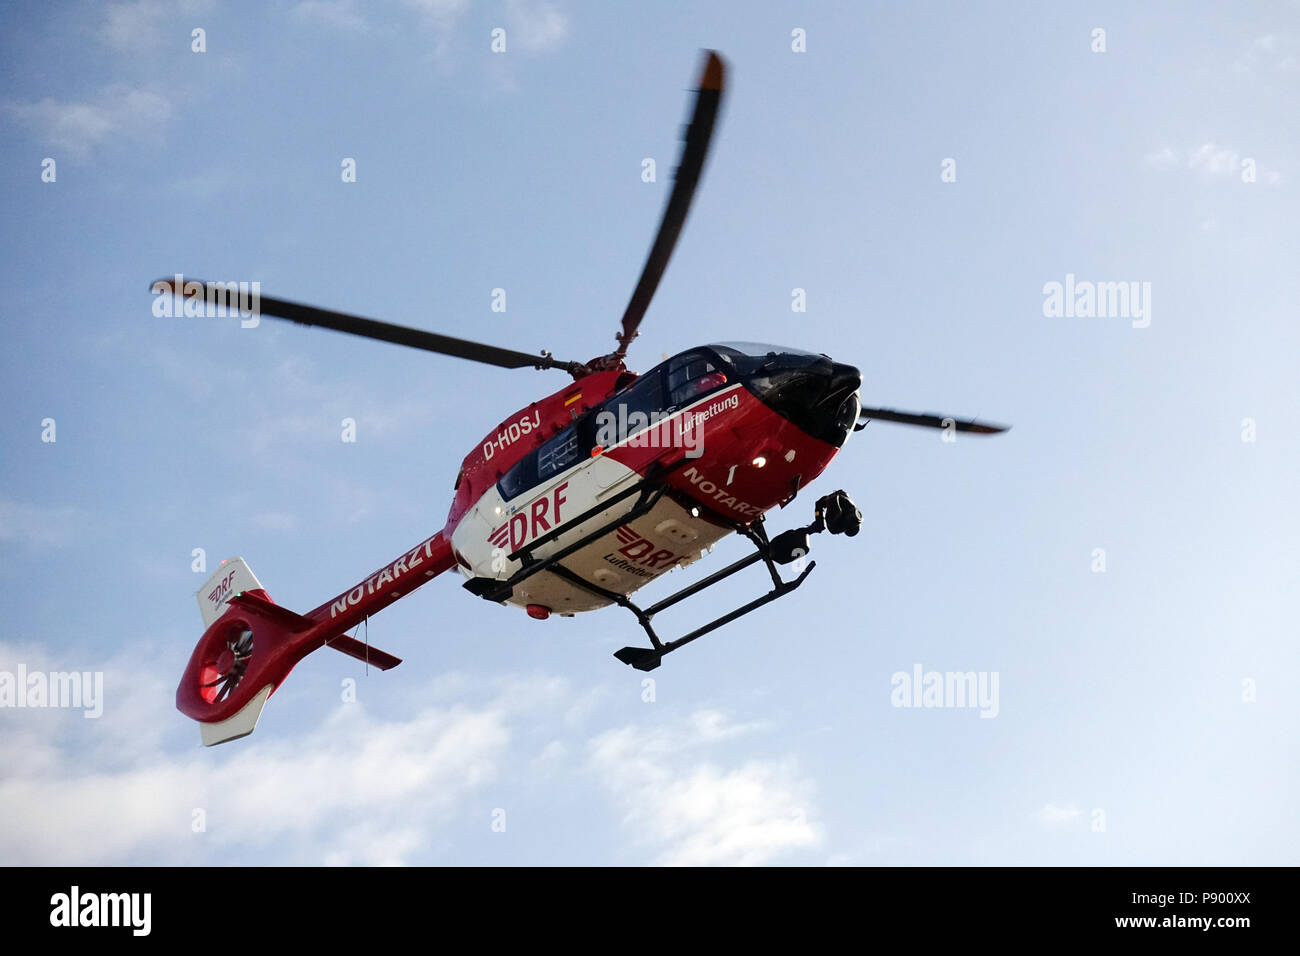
(585, 496)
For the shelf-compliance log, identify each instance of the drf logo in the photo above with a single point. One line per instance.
(218, 594)
(640, 551)
(532, 519)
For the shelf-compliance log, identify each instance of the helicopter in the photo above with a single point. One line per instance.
(582, 498)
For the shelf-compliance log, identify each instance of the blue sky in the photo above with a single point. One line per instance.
(1145, 713)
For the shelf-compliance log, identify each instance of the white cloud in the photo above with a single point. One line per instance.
(1209, 161)
(337, 13)
(274, 521)
(134, 27)
(441, 14)
(144, 26)
(1053, 816)
(553, 756)
(535, 26)
(40, 526)
(1163, 158)
(309, 407)
(356, 789)
(695, 812)
(301, 406)
(361, 789)
(1270, 53)
(310, 795)
(78, 128)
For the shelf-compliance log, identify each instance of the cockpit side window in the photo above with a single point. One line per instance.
(631, 410)
(521, 476)
(557, 454)
(691, 376)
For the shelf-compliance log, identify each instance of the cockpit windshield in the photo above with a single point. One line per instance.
(759, 349)
(745, 358)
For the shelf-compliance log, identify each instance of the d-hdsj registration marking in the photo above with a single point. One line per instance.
(512, 433)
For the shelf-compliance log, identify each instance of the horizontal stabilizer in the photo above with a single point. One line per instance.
(364, 652)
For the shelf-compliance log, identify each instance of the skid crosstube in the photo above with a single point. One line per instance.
(649, 493)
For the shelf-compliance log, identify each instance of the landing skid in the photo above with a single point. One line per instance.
(648, 658)
(834, 512)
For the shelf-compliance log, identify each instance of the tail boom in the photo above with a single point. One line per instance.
(400, 576)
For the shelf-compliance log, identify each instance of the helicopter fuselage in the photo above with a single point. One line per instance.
(714, 424)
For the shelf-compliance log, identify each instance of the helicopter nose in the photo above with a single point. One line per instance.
(841, 400)
(845, 380)
(816, 393)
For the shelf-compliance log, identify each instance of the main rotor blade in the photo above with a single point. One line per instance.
(927, 420)
(374, 329)
(695, 147)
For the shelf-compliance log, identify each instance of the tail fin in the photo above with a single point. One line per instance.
(247, 650)
(233, 577)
